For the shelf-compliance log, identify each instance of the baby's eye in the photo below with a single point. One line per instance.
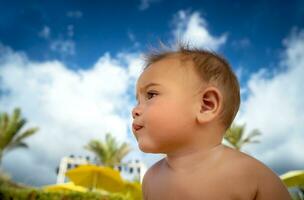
(150, 94)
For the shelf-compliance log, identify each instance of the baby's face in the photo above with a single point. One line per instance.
(167, 96)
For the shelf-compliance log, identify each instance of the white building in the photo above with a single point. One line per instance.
(132, 170)
(67, 163)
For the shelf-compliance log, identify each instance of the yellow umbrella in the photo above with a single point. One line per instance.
(70, 186)
(134, 189)
(92, 176)
(293, 178)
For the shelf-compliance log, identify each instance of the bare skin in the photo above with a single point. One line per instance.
(179, 115)
(222, 173)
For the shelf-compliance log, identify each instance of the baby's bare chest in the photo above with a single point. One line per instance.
(199, 187)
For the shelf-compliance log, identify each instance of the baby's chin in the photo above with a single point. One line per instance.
(149, 148)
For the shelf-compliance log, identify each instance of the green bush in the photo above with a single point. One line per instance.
(296, 193)
(10, 193)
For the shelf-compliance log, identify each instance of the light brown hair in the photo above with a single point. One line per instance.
(213, 69)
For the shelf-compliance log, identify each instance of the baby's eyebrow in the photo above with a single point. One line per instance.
(145, 87)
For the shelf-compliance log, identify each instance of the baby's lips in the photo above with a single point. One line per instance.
(136, 127)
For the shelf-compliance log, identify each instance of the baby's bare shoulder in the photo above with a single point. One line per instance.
(151, 177)
(268, 185)
(241, 161)
(246, 164)
(153, 170)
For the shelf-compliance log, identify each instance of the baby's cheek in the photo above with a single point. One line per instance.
(153, 114)
(163, 118)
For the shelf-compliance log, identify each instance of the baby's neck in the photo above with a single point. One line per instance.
(189, 160)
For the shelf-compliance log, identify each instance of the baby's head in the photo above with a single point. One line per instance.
(180, 94)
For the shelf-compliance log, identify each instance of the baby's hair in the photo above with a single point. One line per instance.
(213, 69)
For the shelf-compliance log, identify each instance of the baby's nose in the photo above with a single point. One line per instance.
(136, 112)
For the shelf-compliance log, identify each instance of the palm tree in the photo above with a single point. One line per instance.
(235, 136)
(11, 136)
(109, 152)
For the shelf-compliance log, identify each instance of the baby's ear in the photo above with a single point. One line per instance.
(211, 101)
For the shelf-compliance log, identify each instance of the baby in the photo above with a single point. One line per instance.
(187, 99)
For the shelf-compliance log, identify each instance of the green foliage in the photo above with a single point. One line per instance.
(109, 152)
(133, 191)
(13, 191)
(236, 138)
(296, 193)
(11, 136)
(9, 193)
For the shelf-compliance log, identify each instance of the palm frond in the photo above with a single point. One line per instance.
(26, 134)
(10, 131)
(109, 152)
(14, 126)
(235, 136)
(15, 145)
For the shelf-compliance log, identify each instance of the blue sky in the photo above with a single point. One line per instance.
(99, 27)
(71, 66)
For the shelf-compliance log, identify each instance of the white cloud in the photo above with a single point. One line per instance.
(133, 39)
(64, 47)
(241, 44)
(77, 14)
(145, 4)
(275, 107)
(192, 29)
(70, 30)
(70, 107)
(45, 32)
